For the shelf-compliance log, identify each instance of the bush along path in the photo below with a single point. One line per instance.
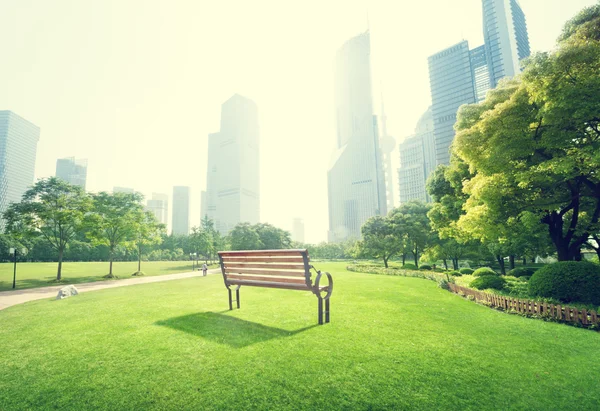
(529, 308)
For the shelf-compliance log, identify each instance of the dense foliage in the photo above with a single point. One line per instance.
(523, 271)
(488, 281)
(484, 271)
(568, 281)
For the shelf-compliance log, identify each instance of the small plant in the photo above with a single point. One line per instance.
(471, 297)
(425, 267)
(489, 281)
(568, 281)
(443, 284)
(484, 271)
(409, 266)
(455, 273)
(522, 271)
(467, 271)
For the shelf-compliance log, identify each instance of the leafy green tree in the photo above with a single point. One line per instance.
(379, 239)
(51, 209)
(273, 238)
(412, 224)
(245, 237)
(534, 143)
(114, 221)
(147, 231)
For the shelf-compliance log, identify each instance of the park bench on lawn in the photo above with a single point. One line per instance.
(287, 269)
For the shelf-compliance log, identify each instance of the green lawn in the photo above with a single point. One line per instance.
(393, 343)
(31, 275)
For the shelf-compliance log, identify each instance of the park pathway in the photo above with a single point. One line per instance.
(10, 298)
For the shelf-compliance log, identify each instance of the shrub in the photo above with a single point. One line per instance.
(455, 273)
(443, 284)
(467, 271)
(425, 267)
(409, 266)
(522, 271)
(483, 271)
(568, 281)
(488, 281)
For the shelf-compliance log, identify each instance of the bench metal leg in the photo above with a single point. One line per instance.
(230, 305)
(320, 310)
(237, 297)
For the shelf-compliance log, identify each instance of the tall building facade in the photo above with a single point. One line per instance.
(18, 148)
(460, 76)
(356, 181)
(73, 171)
(417, 161)
(387, 144)
(233, 179)
(505, 36)
(159, 206)
(298, 230)
(181, 210)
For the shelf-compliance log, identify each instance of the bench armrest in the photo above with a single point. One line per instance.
(329, 287)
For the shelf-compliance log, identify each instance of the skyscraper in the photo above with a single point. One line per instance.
(505, 36)
(159, 206)
(461, 76)
(18, 147)
(298, 230)
(417, 161)
(233, 185)
(72, 171)
(387, 144)
(356, 182)
(181, 210)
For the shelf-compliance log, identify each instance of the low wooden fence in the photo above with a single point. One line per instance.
(529, 307)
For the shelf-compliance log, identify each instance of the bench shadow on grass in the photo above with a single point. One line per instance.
(227, 330)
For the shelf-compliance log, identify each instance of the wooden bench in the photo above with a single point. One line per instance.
(287, 269)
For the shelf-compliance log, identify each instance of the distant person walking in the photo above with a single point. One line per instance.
(204, 269)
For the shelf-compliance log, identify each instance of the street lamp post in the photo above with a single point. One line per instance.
(193, 258)
(13, 251)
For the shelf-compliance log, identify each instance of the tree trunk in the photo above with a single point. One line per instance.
(385, 261)
(403, 259)
(139, 258)
(60, 259)
(500, 260)
(416, 256)
(455, 263)
(511, 261)
(598, 252)
(445, 264)
(110, 274)
(524, 260)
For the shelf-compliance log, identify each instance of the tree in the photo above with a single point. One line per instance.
(244, 237)
(273, 238)
(379, 239)
(52, 209)
(534, 144)
(114, 221)
(147, 231)
(411, 222)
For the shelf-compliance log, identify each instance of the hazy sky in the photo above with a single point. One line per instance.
(136, 86)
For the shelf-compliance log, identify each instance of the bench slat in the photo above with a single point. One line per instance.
(266, 265)
(299, 281)
(262, 253)
(280, 273)
(227, 259)
(270, 285)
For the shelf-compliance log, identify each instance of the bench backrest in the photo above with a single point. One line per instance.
(288, 269)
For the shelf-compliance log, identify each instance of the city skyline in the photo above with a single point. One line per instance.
(152, 135)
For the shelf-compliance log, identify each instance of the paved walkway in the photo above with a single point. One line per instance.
(10, 298)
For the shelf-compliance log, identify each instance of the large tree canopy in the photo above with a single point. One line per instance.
(533, 146)
(51, 209)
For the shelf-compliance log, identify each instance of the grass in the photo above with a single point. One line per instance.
(33, 275)
(393, 343)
